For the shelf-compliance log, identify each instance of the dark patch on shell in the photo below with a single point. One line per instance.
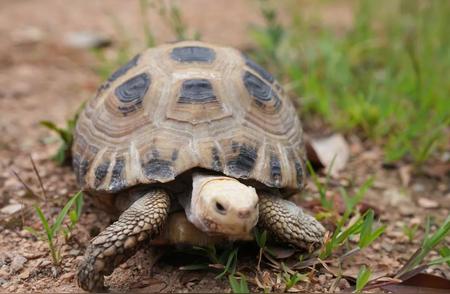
(234, 146)
(124, 68)
(158, 169)
(174, 154)
(299, 172)
(155, 153)
(275, 169)
(100, 172)
(244, 163)
(132, 91)
(117, 177)
(84, 165)
(193, 54)
(80, 167)
(103, 87)
(76, 165)
(260, 91)
(196, 91)
(259, 69)
(216, 163)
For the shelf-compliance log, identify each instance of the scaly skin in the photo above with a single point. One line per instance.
(288, 223)
(142, 220)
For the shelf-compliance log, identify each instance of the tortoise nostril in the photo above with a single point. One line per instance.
(244, 213)
(220, 208)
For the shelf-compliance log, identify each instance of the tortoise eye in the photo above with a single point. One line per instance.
(220, 208)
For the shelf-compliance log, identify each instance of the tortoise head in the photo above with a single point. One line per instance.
(224, 206)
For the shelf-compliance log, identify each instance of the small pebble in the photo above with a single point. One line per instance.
(322, 279)
(28, 35)
(343, 284)
(318, 288)
(418, 188)
(86, 40)
(427, 203)
(11, 208)
(74, 252)
(12, 288)
(387, 247)
(4, 274)
(55, 271)
(17, 263)
(44, 263)
(24, 275)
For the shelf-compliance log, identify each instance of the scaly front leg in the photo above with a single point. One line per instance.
(142, 220)
(288, 223)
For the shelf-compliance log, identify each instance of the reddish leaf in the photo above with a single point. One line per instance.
(427, 280)
(421, 283)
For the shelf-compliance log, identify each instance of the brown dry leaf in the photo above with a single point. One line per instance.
(333, 152)
(438, 170)
(427, 203)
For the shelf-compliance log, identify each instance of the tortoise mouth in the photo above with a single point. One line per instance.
(241, 231)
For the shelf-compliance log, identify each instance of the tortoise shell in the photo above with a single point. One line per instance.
(186, 105)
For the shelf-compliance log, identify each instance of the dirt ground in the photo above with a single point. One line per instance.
(43, 78)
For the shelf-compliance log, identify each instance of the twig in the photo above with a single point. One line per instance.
(34, 194)
(348, 253)
(324, 264)
(393, 281)
(39, 179)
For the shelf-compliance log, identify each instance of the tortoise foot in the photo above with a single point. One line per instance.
(142, 220)
(287, 222)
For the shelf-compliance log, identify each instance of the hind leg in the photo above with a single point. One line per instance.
(142, 220)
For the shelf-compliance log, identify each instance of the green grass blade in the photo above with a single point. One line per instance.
(363, 278)
(62, 214)
(261, 238)
(428, 244)
(79, 205)
(194, 267)
(238, 287)
(445, 252)
(366, 229)
(230, 266)
(44, 223)
(439, 261)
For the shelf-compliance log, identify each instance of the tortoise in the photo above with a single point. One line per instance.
(196, 127)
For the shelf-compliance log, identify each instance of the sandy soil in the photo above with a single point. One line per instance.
(41, 78)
